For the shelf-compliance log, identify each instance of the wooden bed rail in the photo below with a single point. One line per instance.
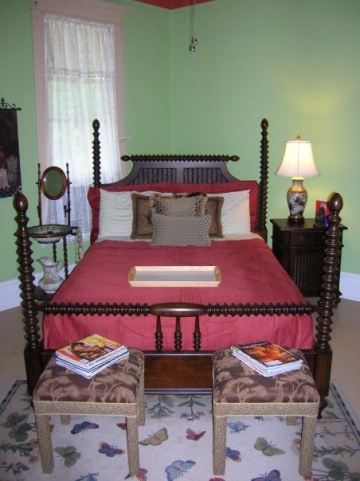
(179, 309)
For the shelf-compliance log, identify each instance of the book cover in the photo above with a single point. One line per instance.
(322, 212)
(91, 350)
(267, 354)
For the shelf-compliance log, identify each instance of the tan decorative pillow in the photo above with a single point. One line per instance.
(177, 231)
(179, 205)
(214, 209)
(142, 227)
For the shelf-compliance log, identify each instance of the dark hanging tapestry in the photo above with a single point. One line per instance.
(10, 175)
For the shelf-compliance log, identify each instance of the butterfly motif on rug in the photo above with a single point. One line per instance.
(69, 454)
(19, 426)
(108, 450)
(178, 468)
(233, 454)
(190, 434)
(267, 448)
(89, 477)
(85, 426)
(274, 475)
(237, 427)
(157, 438)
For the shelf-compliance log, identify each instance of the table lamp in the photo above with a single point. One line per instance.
(298, 163)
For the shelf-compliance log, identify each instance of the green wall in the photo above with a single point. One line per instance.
(17, 87)
(147, 103)
(295, 62)
(147, 79)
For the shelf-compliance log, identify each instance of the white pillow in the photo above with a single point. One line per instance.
(115, 218)
(235, 214)
(116, 214)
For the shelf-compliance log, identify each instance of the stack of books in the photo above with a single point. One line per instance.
(90, 355)
(266, 358)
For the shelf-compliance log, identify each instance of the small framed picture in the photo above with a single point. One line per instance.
(322, 212)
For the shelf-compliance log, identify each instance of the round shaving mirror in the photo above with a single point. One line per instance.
(53, 183)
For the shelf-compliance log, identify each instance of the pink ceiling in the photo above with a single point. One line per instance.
(171, 4)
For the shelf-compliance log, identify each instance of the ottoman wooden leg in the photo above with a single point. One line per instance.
(219, 444)
(307, 445)
(141, 415)
(132, 439)
(45, 444)
(141, 403)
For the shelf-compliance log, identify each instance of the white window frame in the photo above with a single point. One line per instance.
(92, 10)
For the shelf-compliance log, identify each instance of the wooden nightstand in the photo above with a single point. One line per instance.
(300, 249)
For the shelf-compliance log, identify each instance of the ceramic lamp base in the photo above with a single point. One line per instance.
(297, 199)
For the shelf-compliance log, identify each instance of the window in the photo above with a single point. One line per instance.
(78, 77)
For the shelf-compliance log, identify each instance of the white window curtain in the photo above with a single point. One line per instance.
(80, 79)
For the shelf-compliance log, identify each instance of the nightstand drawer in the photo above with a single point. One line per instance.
(307, 238)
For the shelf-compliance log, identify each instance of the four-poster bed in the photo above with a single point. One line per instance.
(180, 328)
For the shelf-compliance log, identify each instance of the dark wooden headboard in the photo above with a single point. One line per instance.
(183, 169)
(188, 169)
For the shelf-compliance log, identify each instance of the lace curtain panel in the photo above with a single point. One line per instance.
(80, 75)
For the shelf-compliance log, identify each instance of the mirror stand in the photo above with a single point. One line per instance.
(54, 183)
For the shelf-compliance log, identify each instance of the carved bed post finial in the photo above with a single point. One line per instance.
(96, 154)
(264, 175)
(28, 304)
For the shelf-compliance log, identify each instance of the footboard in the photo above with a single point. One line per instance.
(178, 370)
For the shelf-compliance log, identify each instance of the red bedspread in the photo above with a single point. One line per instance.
(250, 274)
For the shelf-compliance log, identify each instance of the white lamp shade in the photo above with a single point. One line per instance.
(298, 160)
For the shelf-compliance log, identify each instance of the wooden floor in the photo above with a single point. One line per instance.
(345, 342)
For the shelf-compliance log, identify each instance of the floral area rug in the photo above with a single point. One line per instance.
(176, 444)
